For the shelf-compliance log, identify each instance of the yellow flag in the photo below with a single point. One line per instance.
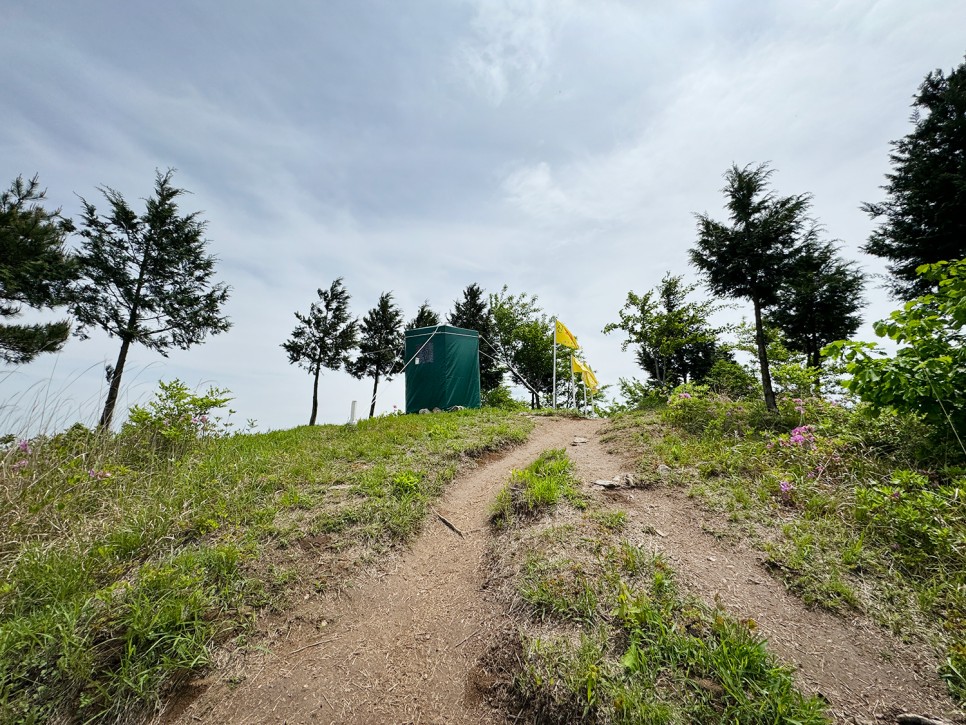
(590, 380)
(565, 337)
(576, 365)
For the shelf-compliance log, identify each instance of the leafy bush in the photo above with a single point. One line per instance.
(176, 417)
(501, 398)
(727, 377)
(927, 375)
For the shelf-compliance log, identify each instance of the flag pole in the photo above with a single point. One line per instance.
(553, 338)
(572, 397)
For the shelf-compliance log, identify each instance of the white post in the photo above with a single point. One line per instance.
(553, 338)
(352, 413)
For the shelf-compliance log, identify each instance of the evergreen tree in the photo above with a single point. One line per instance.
(425, 317)
(380, 345)
(819, 301)
(324, 337)
(35, 271)
(473, 313)
(675, 342)
(147, 279)
(924, 215)
(750, 257)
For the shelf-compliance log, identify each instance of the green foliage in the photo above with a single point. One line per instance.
(819, 301)
(147, 279)
(323, 338)
(35, 270)
(751, 257)
(853, 508)
(728, 378)
(425, 317)
(536, 489)
(924, 215)
(380, 345)
(473, 313)
(123, 571)
(655, 657)
(176, 418)
(523, 343)
(675, 343)
(500, 397)
(927, 374)
(640, 396)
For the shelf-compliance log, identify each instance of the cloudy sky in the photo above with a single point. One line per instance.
(560, 148)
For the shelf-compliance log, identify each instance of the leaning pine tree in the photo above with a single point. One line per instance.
(380, 345)
(147, 279)
(324, 337)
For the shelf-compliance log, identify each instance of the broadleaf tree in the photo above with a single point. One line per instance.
(924, 214)
(380, 345)
(147, 279)
(36, 271)
(819, 301)
(749, 257)
(324, 337)
(426, 316)
(524, 343)
(473, 313)
(675, 342)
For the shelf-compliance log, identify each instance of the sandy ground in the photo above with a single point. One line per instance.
(402, 646)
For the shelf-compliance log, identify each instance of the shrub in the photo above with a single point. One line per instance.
(176, 418)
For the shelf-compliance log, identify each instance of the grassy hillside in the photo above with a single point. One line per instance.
(853, 511)
(125, 558)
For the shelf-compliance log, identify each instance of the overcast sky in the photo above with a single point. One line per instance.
(560, 148)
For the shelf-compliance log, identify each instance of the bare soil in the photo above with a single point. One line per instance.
(404, 644)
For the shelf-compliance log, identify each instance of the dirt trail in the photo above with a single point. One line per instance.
(400, 647)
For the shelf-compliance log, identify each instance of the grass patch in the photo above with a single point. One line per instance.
(607, 637)
(536, 489)
(125, 559)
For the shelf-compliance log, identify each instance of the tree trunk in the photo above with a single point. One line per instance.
(375, 387)
(315, 396)
(770, 403)
(115, 386)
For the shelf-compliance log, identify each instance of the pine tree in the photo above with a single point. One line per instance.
(473, 313)
(147, 279)
(750, 257)
(35, 271)
(380, 345)
(425, 317)
(924, 216)
(324, 337)
(819, 301)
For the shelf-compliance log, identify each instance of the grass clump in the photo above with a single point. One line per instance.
(610, 639)
(536, 489)
(126, 558)
(854, 509)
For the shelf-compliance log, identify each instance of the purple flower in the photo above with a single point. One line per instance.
(98, 475)
(19, 465)
(24, 447)
(686, 396)
(786, 487)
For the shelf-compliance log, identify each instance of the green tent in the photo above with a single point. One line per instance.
(443, 369)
